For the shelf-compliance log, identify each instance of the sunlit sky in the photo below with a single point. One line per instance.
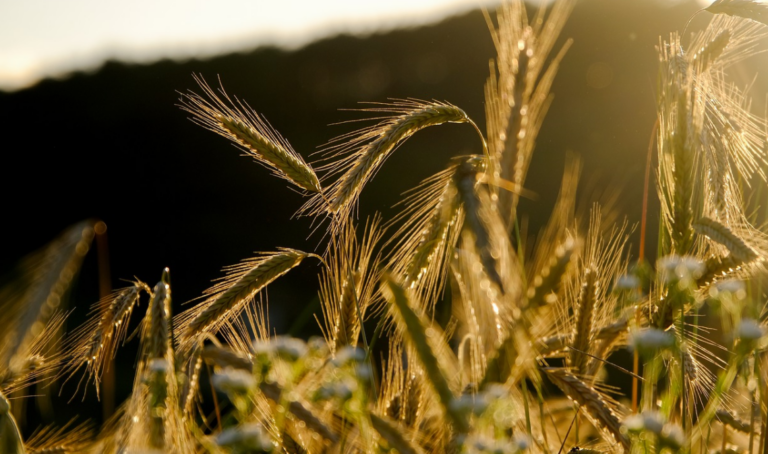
(40, 38)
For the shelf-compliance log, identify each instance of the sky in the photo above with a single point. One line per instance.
(50, 38)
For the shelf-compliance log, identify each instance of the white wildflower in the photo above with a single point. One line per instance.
(233, 381)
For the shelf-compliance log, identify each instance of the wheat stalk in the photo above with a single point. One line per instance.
(236, 121)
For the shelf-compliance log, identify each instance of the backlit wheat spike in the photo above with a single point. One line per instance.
(43, 361)
(399, 299)
(394, 435)
(61, 440)
(545, 284)
(159, 362)
(227, 298)
(236, 121)
(585, 315)
(348, 284)
(596, 407)
(517, 91)
(159, 339)
(712, 50)
(10, 438)
(467, 179)
(718, 267)
(190, 391)
(95, 342)
(724, 236)
(362, 153)
(748, 9)
(431, 221)
(48, 274)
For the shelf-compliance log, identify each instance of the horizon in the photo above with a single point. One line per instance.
(82, 35)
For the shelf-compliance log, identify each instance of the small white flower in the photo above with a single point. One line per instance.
(263, 347)
(673, 436)
(157, 365)
(290, 348)
(651, 421)
(247, 436)
(650, 339)
(347, 354)
(233, 381)
(494, 392)
(627, 282)
(467, 403)
(674, 268)
(730, 286)
(749, 330)
(342, 390)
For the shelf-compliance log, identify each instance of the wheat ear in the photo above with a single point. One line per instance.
(364, 152)
(718, 267)
(51, 273)
(393, 433)
(159, 360)
(727, 418)
(96, 342)
(193, 365)
(236, 121)
(592, 404)
(399, 299)
(467, 179)
(545, 284)
(721, 234)
(585, 314)
(429, 227)
(228, 297)
(747, 9)
(712, 50)
(61, 440)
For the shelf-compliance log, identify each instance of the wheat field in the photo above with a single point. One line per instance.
(537, 319)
